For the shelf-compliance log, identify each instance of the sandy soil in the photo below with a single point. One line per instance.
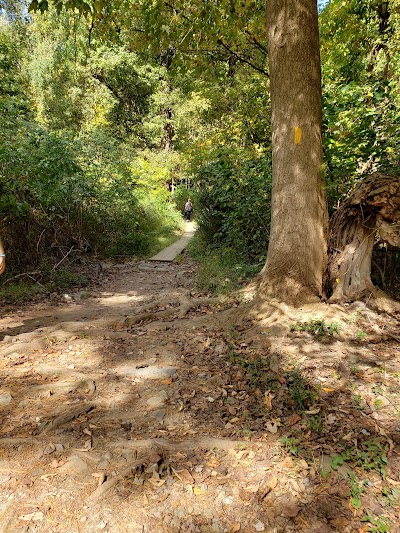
(141, 407)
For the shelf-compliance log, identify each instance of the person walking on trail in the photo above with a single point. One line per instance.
(2, 258)
(188, 209)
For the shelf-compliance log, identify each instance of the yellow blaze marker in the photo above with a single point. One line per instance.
(297, 135)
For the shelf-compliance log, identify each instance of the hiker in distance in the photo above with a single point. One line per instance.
(188, 209)
(2, 258)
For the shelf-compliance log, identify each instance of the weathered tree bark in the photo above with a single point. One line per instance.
(372, 212)
(297, 249)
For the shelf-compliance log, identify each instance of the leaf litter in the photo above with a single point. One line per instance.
(252, 432)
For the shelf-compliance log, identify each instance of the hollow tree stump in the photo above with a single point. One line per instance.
(371, 213)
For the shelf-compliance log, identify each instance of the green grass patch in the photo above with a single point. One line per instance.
(221, 270)
(317, 326)
(47, 283)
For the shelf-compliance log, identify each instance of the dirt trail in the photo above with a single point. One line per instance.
(136, 409)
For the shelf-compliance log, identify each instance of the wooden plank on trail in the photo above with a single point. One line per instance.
(172, 251)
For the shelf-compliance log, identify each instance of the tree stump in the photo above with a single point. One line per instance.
(371, 213)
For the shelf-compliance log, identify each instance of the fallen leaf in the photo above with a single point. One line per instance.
(45, 476)
(268, 400)
(37, 516)
(86, 447)
(293, 419)
(235, 528)
(253, 488)
(287, 463)
(197, 491)
(50, 448)
(57, 464)
(327, 389)
(157, 482)
(167, 381)
(271, 427)
(303, 464)
(184, 475)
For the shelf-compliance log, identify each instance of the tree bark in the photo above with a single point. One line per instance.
(371, 213)
(297, 250)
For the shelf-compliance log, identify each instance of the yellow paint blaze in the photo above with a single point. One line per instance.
(297, 135)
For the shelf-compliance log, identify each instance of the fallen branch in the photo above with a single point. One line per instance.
(72, 249)
(28, 274)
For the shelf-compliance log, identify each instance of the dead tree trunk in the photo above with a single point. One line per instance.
(371, 213)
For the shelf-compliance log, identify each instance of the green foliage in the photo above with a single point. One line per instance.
(44, 283)
(301, 392)
(258, 372)
(315, 424)
(368, 455)
(360, 58)
(19, 292)
(356, 490)
(68, 172)
(291, 444)
(377, 525)
(235, 206)
(317, 326)
(132, 86)
(220, 270)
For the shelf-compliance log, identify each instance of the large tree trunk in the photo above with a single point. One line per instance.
(372, 212)
(297, 249)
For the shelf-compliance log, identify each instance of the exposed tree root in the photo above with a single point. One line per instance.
(65, 416)
(66, 386)
(159, 445)
(381, 302)
(179, 305)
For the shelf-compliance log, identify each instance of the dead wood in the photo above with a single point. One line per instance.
(370, 214)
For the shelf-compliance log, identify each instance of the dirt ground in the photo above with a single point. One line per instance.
(141, 405)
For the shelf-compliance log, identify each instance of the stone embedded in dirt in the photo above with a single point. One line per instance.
(74, 465)
(37, 516)
(13, 355)
(103, 464)
(158, 415)
(259, 526)
(5, 398)
(50, 448)
(150, 372)
(157, 401)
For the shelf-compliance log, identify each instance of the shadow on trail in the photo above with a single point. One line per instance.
(229, 432)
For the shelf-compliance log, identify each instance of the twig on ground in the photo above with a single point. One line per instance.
(72, 249)
(28, 274)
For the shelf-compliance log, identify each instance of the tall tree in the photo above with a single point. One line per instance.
(297, 248)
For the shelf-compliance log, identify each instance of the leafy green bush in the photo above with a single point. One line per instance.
(234, 206)
(220, 270)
